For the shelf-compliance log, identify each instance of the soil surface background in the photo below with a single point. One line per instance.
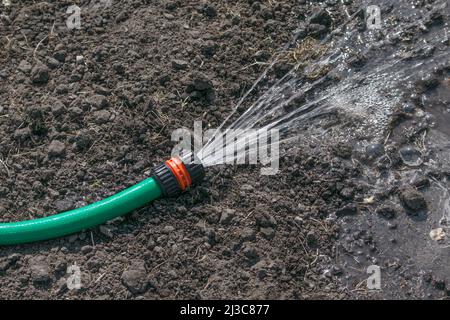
(85, 113)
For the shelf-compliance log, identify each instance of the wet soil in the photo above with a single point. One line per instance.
(87, 112)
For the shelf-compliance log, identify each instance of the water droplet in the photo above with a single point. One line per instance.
(408, 107)
(374, 150)
(411, 156)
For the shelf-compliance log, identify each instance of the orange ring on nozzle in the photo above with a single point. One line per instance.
(180, 172)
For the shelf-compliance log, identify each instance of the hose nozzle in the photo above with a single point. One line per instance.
(177, 174)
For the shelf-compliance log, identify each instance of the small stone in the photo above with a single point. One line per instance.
(24, 66)
(56, 149)
(179, 64)
(122, 16)
(106, 231)
(63, 205)
(413, 199)
(437, 234)
(79, 59)
(58, 108)
(209, 11)
(168, 229)
(22, 134)
(135, 278)
(40, 270)
(98, 101)
(248, 234)
(169, 16)
(265, 220)
(298, 220)
(250, 253)
(40, 74)
(75, 112)
(268, 233)
(86, 249)
(62, 88)
(226, 216)
(60, 55)
(102, 116)
(246, 187)
(52, 62)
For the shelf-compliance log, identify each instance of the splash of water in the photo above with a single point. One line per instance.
(324, 79)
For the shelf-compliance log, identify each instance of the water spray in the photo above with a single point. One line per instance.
(169, 179)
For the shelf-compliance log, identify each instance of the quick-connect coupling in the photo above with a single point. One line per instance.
(177, 174)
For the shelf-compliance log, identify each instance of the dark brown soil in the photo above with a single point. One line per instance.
(74, 132)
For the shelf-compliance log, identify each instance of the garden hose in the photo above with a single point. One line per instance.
(169, 179)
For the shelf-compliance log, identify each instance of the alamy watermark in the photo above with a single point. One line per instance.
(239, 146)
(373, 17)
(74, 19)
(73, 282)
(374, 280)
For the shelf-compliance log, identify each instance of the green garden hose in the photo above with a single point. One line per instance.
(169, 179)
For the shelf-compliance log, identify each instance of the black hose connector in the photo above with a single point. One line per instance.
(178, 174)
(167, 180)
(194, 167)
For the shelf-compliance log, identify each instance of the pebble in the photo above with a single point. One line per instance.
(62, 88)
(247, 234)
(40, 270)
(79, 59)
(246, 187)
(24, 66)
(22, 134)
(135, 278)
(86, 249)
(75, 112)
(250, 253)
(106, 231)
(265, 220)
(413, 199)
(209, 11)
(102, 116)
(64, 205)
(40, 74)
(168, 229)
(52, 62)
(226, 216)
(56, 149)
(268, 233)
(60, 55)
(97, 101)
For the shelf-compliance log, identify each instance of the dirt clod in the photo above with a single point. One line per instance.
(413, 199)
